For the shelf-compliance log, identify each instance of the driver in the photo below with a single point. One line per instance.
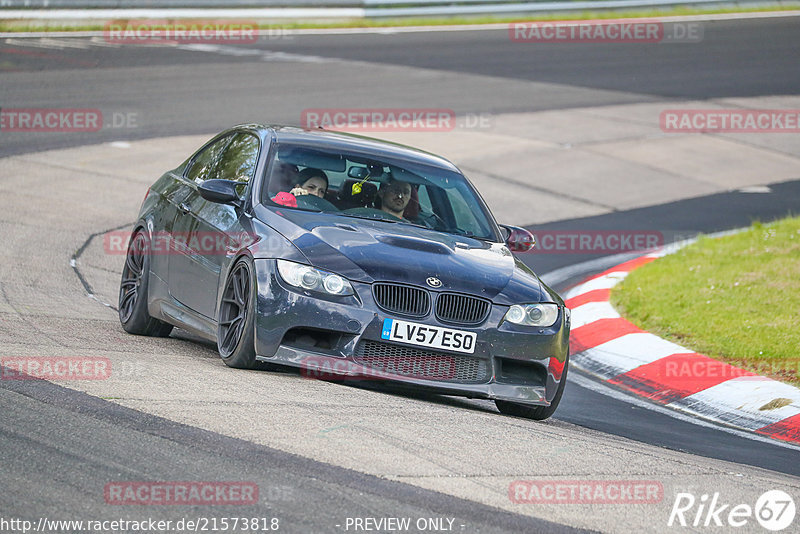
(395, 196)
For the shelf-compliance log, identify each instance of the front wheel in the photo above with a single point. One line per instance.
(132, 301)
(236, 325)
(539, 413)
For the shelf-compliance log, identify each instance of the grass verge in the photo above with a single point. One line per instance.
(733, 298)
(9, 25)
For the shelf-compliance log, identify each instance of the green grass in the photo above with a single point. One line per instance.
(734, 298)
(50, 26)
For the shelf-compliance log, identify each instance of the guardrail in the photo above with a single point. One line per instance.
(504, 7)
(327, 8)
(171, 4)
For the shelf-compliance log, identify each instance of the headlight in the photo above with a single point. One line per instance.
(532, 314)
(307, 277)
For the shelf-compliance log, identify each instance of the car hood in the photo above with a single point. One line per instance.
(373, 251)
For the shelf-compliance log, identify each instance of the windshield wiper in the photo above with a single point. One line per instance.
(469, 236)
(367, 218)
(409, 223)
(415, 224)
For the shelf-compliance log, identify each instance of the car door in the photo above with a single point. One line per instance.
(217, 231)
(164, 214)
(185, 267)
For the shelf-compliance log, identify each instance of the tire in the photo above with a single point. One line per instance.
(236, 323)
(538, 413)
(132, 302)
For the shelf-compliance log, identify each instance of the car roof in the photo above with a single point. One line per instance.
(346, 141)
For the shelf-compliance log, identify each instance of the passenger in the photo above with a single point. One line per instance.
(284, 177)
(311, 182)
(395, 196)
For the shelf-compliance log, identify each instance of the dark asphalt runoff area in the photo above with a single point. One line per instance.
(68, 444)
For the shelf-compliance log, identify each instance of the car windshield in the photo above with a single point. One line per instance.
(373, 187)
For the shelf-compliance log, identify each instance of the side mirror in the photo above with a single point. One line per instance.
(220, 191)
(518, 239)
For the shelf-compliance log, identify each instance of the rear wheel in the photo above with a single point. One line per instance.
(133, 313)
(236, 325)
(539, 413)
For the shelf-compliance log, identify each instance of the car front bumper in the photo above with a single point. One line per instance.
(340, 338)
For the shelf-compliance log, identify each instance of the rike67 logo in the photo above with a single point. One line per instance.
(774, 510)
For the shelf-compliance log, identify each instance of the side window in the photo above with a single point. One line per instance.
(238, 162)
(203, 164)
(424, 199)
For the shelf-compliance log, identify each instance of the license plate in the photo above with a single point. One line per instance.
(424, 335)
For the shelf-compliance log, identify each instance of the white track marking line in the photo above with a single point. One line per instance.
(65, 43)
(60, 44)
(102, 42)
(266, 55)
(52, 44)
(46, 42)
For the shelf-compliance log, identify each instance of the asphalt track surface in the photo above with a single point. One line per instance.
(89, 449)
(184, 92)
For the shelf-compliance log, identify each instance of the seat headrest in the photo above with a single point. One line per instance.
(364, 197)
